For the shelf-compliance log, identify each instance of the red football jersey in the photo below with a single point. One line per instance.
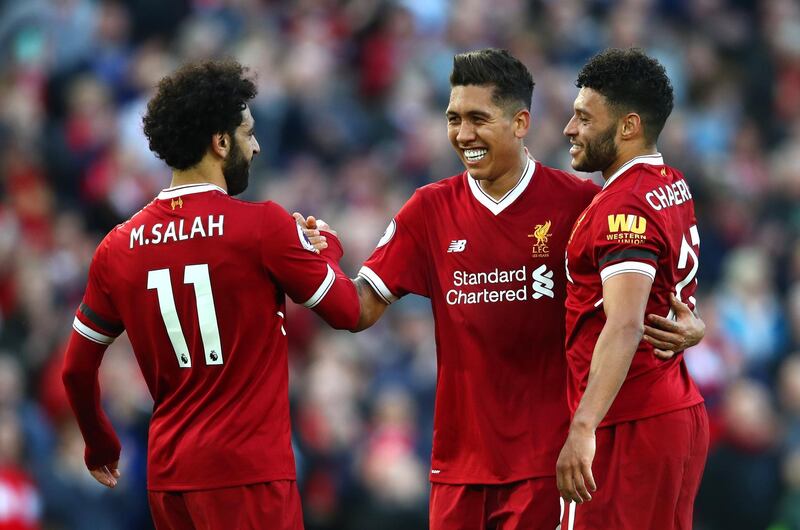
(494, 271)
(643, 222)
(197, 278)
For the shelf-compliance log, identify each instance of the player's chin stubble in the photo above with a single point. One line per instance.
(236, 171)
(599, 153)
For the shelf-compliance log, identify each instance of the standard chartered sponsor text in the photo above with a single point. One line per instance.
(494, 281)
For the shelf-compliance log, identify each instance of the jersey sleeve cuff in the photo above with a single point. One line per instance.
(322, 290)
(377, 284)
(90, 334)
(335, 250)
(628, 266)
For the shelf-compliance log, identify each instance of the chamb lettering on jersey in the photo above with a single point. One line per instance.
(671, 195)
(180, 230)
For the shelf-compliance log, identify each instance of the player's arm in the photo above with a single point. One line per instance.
(371, 305)
(80, 377)
(95, 326)
(624, 301)
(670, 337)
(310, 277)
(340, 304)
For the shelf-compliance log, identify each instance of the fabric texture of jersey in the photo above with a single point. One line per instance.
(494, 271)
(531, 504)
(648, 473)
(274, 505)
(642, 222)
(198, 278)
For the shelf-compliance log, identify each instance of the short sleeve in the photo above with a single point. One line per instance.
(290, 258)
(97, 318)
(399, 264)
(627, 238)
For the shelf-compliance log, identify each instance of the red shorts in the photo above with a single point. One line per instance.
(647, 474)
(526, 505)
(268, 505)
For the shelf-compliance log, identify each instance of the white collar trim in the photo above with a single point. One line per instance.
(188, 189)
(497, 206)
(654, 160)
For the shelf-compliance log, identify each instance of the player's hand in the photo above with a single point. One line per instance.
(574, 467)
(107, 475)
(313, 229)
(669, 337)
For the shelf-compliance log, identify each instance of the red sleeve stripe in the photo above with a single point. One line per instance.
(323, 289)
(377, 284)
(114, 329)
(88, 333)
(628, 266)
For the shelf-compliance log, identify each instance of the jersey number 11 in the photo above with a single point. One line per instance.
(206, 314)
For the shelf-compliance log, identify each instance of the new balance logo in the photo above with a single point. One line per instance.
(457, 245)
(542, 283)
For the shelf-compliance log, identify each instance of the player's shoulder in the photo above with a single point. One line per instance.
(267, 207)
(120, 232)
(445, 186)
(573, 192)
(428, 198)
(565, 179)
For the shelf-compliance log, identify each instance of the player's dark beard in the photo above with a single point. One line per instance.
(236, 171)
(600, 152)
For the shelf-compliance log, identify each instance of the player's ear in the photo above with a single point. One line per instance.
(631, 126)
(521, 123)
(221, 144)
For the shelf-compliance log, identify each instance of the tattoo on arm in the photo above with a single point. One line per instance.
(362, 287)
(372, 307)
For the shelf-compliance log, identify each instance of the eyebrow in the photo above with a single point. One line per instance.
(471, 114)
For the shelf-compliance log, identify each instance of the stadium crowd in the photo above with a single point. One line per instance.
(350, 118)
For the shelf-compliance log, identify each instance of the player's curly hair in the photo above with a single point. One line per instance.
(631, 82)
(191, 105)
(513, 83)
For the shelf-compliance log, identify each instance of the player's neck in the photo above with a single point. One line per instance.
(625, 155)
(203, 172)
(497, 188)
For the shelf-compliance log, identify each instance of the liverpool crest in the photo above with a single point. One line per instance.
(542, 234)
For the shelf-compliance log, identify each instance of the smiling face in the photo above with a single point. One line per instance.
(486, 136)
(592, 131)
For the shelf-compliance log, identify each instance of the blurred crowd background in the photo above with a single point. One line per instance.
(350, 117)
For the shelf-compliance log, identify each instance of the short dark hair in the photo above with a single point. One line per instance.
(631, 81)
(512, 82)
(195, 102)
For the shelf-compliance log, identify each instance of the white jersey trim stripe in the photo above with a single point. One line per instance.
(628, 266)
(572, 507)
(654, 160)
(377, 284)
(497, 206)
(322, 290)
(189, 189)
(91, 334)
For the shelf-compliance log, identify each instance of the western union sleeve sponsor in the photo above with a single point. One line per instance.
(620, 222)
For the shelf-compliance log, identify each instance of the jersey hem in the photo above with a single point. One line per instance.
(438, 479)
(193, 486)
(659, 412)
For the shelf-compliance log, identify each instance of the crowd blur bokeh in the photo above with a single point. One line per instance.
(350, 118)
